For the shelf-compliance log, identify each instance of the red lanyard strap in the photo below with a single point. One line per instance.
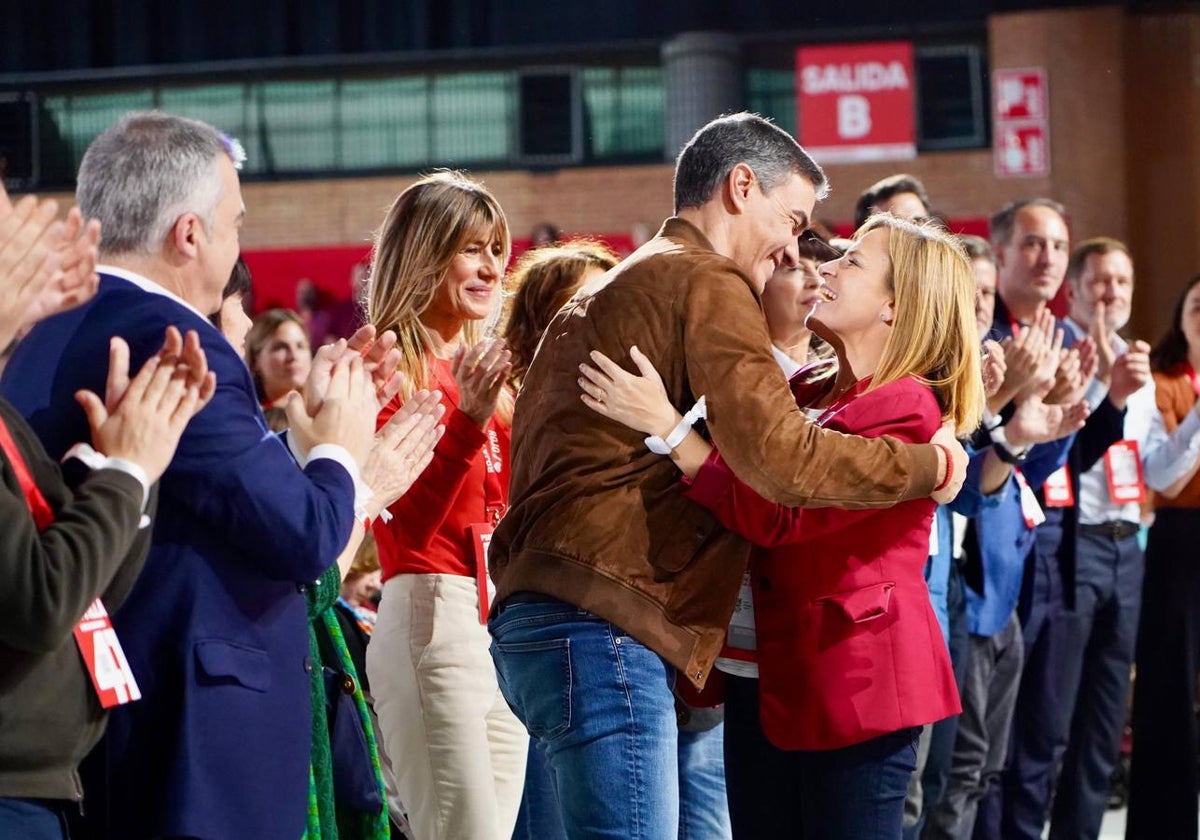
(43, 514)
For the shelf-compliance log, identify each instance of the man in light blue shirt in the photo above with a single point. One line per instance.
(1101, 629)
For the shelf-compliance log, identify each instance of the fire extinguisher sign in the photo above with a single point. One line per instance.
(855, 101)
(1021, 123)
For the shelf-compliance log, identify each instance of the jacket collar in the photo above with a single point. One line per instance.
(677, 228)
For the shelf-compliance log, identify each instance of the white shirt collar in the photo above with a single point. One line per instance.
(146, 284)
(785, 362)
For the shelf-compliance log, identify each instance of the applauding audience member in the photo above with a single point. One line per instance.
(215, 626)
(69, 548)
(458, 751)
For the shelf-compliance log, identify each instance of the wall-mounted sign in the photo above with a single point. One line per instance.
(855, 101)
(1020, 123)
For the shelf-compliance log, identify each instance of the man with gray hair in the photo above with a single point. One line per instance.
(609, 581)
(215, 627)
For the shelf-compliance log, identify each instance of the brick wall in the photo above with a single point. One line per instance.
(1124, 104)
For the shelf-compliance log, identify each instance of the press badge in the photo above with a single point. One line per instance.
(1123, 467)
(1057, 490)
(105, 660)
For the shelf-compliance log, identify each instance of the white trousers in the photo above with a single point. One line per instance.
(457, 750)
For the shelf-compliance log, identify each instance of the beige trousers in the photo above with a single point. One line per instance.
(457, 750)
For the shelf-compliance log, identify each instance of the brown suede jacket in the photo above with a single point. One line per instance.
(598, 521)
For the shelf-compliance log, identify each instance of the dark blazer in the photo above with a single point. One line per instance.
(849, 647)
(215, 628)
(49, 714)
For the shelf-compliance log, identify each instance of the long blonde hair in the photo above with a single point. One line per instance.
(933, 334)
(427, 224)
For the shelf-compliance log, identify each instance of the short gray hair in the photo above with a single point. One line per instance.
(141, 175)
(711, 154)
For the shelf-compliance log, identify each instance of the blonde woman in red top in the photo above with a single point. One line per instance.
(456, 748)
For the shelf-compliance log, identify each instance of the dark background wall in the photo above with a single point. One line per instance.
(83, 34)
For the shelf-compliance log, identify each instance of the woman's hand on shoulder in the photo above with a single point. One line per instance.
(639, 402)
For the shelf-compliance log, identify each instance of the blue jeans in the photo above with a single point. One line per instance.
(540, 818)
(600, 705)
(703, 808)
(32, 819)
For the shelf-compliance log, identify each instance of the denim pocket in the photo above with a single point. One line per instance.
(537, 681)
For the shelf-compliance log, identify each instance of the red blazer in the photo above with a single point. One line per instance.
(849, 647)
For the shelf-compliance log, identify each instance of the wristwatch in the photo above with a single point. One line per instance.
(661, 446)
(1003, 452)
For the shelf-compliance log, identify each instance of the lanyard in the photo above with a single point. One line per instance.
(493, 459)
(493, 491)
(43, 514)
(98, 644)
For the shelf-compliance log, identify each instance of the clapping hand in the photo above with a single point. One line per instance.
(994, 367)
(380, 361)
(481, 373)
(46, 266)
(1034, 421)
(1130, 372)
(142, 420)
(346, 414)
(1076, 369)
(402, 449)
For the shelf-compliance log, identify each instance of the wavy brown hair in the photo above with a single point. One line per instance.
(542, 281)
(1172, 348)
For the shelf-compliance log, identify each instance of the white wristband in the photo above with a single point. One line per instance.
(659, 446)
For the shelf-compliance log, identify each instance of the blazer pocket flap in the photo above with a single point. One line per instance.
(865, 604)
(223, 661)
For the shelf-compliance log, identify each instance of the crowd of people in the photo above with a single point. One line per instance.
(755, 533)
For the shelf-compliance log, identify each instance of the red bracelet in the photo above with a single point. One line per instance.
(945, 482)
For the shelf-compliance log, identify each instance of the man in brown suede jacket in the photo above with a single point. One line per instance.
(608, 580)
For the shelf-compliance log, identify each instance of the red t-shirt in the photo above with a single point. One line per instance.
(465, 484)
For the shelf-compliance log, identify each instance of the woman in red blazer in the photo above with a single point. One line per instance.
(851, 660)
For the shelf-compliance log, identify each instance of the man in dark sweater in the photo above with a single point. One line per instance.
(72, 547)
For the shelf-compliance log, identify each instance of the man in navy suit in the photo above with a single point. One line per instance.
(215, 627)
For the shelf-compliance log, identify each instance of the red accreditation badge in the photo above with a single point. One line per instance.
(1030, 509)
(104, 658)
(481, 538)
(1123, 466)
(1057, 490)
